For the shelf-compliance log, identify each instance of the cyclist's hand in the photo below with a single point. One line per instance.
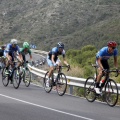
(68, 67)
(104, 70)
(117, 70)
(55, 65)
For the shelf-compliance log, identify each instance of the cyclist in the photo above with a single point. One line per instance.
(102, 61)
(11, 49)
(2, 59)
(26, 50)
(2, 50)
(53, 60)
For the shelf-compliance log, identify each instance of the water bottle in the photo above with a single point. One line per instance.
(101, 83)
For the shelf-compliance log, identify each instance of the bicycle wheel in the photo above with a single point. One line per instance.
(5, 78)
(111, 93)
(61, 84)
(47, 89)
(89, 91)
(16, 78)
(27, 77)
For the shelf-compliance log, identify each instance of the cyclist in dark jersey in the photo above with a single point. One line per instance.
(2, 58)
(102, 60)
(53, 60)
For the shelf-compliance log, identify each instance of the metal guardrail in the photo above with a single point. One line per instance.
(71, 81)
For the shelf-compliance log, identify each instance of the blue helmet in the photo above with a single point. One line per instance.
(60, 45)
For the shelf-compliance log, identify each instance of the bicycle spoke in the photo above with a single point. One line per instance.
(111, 93)
(61, 84)
(27, 78)
(5, 78)
(47, 89)
(16, 79)
(89, 91)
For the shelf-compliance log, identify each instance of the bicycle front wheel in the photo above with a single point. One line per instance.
(5, 78)
(47, 88)
(61, 84)
(89, 91)
(16, 78)
(111, 93)
(27, 77)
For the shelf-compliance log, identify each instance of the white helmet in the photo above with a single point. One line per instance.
(13, 41)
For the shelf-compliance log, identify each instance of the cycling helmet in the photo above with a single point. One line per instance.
(112, 44)
(26, 45)
(60, 45)
(13, 41)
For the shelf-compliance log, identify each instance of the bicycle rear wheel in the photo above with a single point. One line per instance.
(61, 84)
(89, 91)
(27, 77)
(47, 89)
(111, 93)
(16, 78)
(5, 78)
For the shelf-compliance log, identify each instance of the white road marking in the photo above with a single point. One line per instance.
(45, 107)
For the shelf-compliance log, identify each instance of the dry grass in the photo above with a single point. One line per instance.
(75, 72)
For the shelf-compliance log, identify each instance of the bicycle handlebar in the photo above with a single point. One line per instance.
(116, 71)
(59, 67)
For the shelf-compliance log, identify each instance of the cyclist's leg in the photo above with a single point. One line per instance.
(50, 64)
(99, 76)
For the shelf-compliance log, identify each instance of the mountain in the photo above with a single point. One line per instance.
(75, 22)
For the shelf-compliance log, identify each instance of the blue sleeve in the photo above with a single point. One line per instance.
(7, 48)
(54, 51)
(18, 49)
(115, 52)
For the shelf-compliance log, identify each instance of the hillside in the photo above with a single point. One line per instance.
(75, 22)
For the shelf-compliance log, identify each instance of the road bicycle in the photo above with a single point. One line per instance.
(59, 81)
(2, 62)
(13, 75)
(25, 74)
(108, 87)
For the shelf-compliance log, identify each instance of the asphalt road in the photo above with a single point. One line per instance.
(33, 103)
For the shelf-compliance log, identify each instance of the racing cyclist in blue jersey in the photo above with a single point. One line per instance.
(102, 61)
(53, 60)
(11, 49)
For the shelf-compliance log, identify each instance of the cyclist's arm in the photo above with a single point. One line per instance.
(52, 58)
(19, 55)
(116, 62)
(64, 59)
(29, 51)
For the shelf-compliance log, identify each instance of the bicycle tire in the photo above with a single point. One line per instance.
(16, 78)
(89, 91)
(111, 93)
(61, 84)
(47, 89)
(27, 77)
(5, 78)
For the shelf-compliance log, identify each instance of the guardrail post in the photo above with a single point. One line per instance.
(32, 76)
(70, 89)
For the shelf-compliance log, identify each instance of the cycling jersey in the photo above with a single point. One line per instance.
(1, 52)
(23, 51)
(55, 51)
(10, 50)
(103, 53)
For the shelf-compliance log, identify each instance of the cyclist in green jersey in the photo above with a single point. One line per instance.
(26, 50)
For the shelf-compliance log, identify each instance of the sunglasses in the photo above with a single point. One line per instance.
(113, 48)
